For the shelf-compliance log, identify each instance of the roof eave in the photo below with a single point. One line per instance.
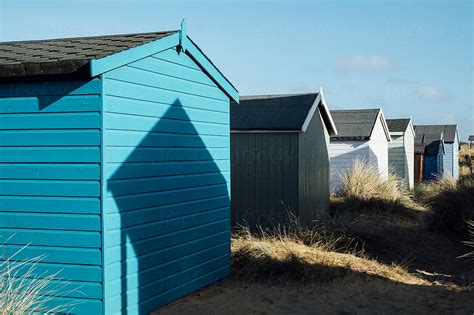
(330, 124)
(179, 38)
(381, 116)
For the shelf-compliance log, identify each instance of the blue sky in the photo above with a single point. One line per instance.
(412, 58)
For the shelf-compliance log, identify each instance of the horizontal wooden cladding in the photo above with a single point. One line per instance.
(181, 290)
(50, 154)
(166, 125)
(165, 140)
(70, 289)
(76, 305)
(154, 214)
(153, 109)
(147, 154)
(59, 88)
(166, 254)
(155, 245)
(81, 120)
(120, 187)
(64, 271)
(49, 221)
(164, 270)
(152, 199)
(59, 188)
(180, 59)
(163, 82)
(50, 171)
(154, 290)
(50, 204)
(38, 237)
(50, 104)
(50, 137)
(152, 94)
(157, 228)
(151, 169)
(50, 254)
(164, 67)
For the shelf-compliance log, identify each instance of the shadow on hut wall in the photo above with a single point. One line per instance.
(361, 153)
(186, 203)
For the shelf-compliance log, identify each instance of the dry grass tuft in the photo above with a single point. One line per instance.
(466, 157)
(283, 259)
(470, 243)
(24, 292)
(451, 204)
(364, 189)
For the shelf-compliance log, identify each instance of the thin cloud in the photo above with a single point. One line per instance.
(366, 63)
(429, 93)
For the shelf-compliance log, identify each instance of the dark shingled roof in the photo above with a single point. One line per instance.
(398, 125)
(355, 124)
(430, 143)
(471, 138)
(449, 131)
(271, 112)
(66, 55)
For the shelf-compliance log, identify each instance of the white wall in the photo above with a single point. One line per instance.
(379, 149)
(342, 154)
(410, 155)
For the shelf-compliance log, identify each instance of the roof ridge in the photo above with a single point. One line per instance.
(356, 110)
(269, 96)
(83, 37)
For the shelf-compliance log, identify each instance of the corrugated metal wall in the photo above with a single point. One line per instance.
(264, 177)
(50, 184)
(313, 171)
(166, 212)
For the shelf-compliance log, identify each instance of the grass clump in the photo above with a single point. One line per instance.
(363, 188)
(302, 256)
(451, 204)
(22, 291)
(466, 157)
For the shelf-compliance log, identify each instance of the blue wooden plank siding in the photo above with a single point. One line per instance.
(50, 184)
(166, 168)
(433, 167)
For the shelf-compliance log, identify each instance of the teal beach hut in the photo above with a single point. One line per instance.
(115, 167)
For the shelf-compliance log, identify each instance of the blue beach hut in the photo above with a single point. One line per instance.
(434, 156)
(114, 165)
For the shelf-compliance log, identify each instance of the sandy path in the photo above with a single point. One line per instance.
(350, 295)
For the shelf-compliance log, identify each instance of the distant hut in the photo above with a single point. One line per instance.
(451, 146)
(280, 159)
(362, 134)
(433, 164)
(401, 149)
(471, 140)
(419, 162)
